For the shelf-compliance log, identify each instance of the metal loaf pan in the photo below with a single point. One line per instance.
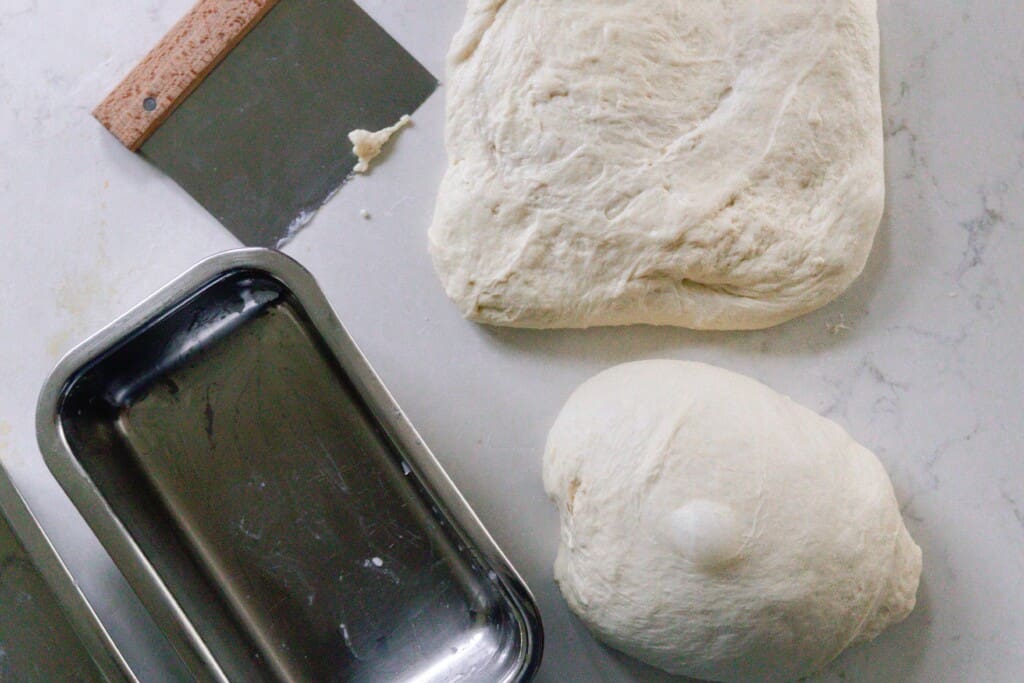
(267, 499)
(48, 632)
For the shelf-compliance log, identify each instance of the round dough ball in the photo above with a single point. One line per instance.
(714, 528)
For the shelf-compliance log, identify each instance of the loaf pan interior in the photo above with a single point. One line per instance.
(271, 500)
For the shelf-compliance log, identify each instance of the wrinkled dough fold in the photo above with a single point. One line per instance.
(714, 165)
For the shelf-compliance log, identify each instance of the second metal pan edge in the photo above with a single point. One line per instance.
(97, 643)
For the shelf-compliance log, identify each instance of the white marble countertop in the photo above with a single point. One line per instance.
(922, 360)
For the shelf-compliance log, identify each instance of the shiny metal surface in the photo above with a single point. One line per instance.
(269, 501)
(48, 632)
(263, 141)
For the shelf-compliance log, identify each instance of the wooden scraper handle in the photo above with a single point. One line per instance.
(176, 67)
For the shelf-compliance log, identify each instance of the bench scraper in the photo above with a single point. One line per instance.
(247, 105)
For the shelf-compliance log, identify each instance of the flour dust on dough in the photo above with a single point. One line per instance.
(711, 164)
(714, 528)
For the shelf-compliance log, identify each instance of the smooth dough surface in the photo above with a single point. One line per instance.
(714, 164)
(714, 528)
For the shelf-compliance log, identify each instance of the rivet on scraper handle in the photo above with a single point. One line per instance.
(176, 66)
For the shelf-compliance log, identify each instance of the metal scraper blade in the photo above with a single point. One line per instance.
(262, 143)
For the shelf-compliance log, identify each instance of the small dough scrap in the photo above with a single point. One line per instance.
(367, 145)
(716, 529)
(712, 165)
